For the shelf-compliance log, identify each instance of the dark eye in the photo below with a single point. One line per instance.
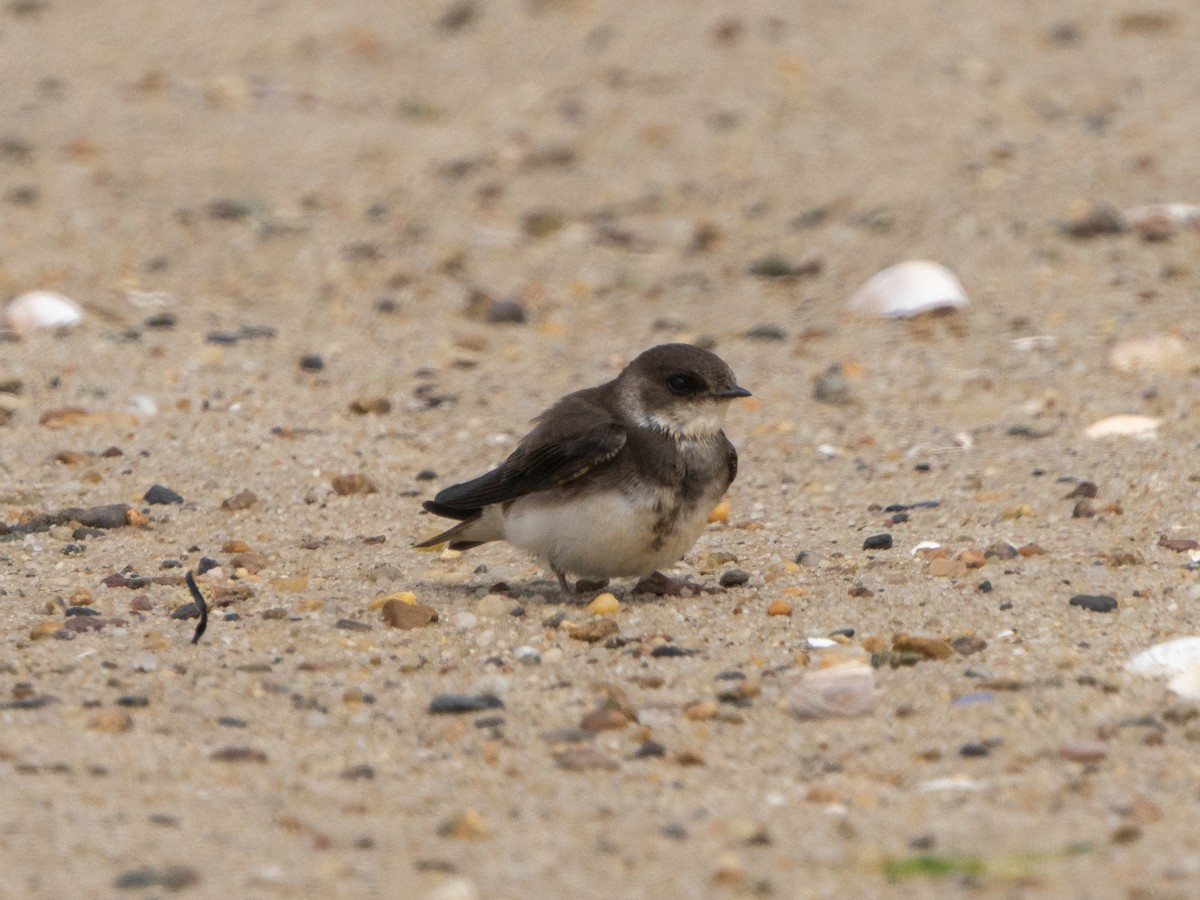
(682, 384)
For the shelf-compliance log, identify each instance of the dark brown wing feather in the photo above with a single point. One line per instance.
(568, 442)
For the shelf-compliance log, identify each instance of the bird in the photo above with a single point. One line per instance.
(614, 481)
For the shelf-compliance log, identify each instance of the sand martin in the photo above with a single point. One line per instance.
(614, 481)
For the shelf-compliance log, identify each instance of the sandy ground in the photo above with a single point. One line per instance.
(268, 181)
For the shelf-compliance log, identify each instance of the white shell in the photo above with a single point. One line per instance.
(42, 309)
(1167, 658)
(909, 289)
(1125, 425)
(1165, 353)
(1176, 215)
(845, 689)
(1186, 685)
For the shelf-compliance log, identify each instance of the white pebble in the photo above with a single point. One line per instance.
(1166, 353)
(43, 309)
(466, 620)
(494, 606)
(909, 289)
(528, 655)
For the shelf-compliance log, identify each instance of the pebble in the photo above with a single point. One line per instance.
(719, 514)
(527, 655)
(845, 689)
(457, 887)
(583, 758)
(357, 483)
(399, 614)
(832, 387)
(371, 406)
(243, 499)
(1086, 219)
(779, 608)
(1153, 353)
(169, 878)
(702, 711)
(734, 578)
(1101, 603)
(494, 606)
(110, 721)
(238, 754)
(930, 648)
(605, 604)
(650, 749)
(1125, 425)
(42, 310)
(878, 542)
(604, 718)
(464, 703)
(671, 650)
(161, 494)
(595, 630)
(311, 362)
(1084, 751)
(909, 289)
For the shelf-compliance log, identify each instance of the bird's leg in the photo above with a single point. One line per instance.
(661, 584)
(563, 584)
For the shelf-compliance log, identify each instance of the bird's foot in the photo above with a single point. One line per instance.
(661, 584)
(583, 591)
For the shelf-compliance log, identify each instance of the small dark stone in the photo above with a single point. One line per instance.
(842, 632)
(189, 610)
(675, 832)
(766, 332)
(1086, 489)
(505, 312)
(351, 625)
(257, 332)
(170, 564)
(239, 754)
(86, 534)
(1100, 603)
(82, 611)
(922, 467)
(489, 722)
(464, 703)
(231, 617)
(650, 750)
(231, 722)
(555, 620)
(161, 494)
(231, 210)
(905, 507)
(73, 549)
(985, 587)
(361, 772)
(671, 650)
(733, 578)
(878, 542)
(170, 878)
(427, 475)
(312, 362)
(133, 700)
(206, 564)
(898, 518)
(730, 675)
(222, 338)
(161, 321)
(974, 750)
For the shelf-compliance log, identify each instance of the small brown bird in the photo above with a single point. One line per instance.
(614, 481)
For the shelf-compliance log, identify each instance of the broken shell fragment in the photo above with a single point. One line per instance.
(1125, 425)
(1168, 658)
(909, 289)
(845, 689)
(1165, 353)
(42, 309)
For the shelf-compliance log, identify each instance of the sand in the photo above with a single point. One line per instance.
(230, 188)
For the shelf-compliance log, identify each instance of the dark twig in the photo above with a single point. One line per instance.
(199, 600)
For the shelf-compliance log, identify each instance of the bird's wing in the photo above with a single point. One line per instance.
(550, 456)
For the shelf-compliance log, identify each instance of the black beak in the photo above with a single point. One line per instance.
(731, 393)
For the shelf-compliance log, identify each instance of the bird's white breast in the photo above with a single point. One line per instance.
(604, 534)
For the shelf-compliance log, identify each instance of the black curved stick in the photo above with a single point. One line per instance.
(199, 599)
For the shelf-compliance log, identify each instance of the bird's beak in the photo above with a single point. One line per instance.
(731, 393)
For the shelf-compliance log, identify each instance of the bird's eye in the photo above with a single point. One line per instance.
(682, 384)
